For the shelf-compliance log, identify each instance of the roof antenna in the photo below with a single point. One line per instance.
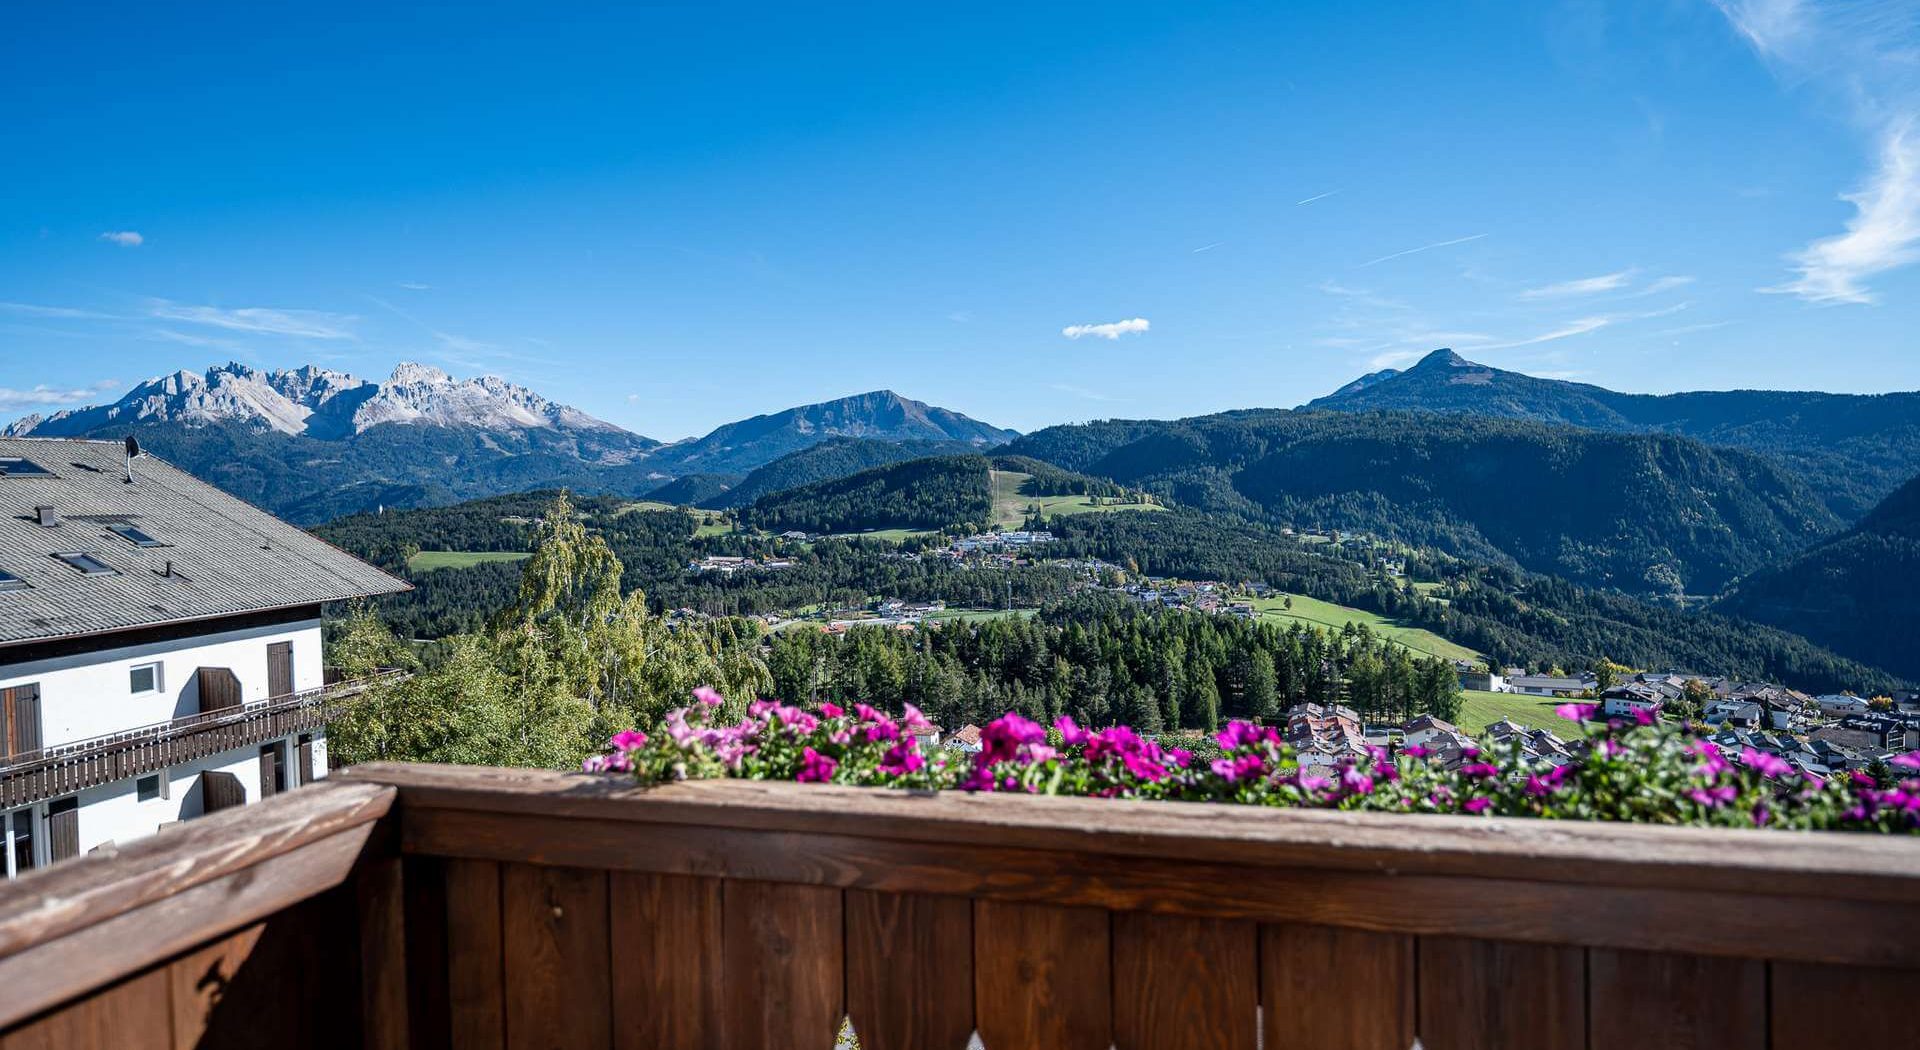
(133, 449)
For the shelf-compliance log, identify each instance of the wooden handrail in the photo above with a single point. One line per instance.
(1824, 897)
(81, 924)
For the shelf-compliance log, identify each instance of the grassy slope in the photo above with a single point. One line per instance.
(1010, 507)
(426, 561)
(1327, 614)
(1478, 709)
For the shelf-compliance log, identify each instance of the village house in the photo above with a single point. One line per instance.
(1552, 685)
(160, 648)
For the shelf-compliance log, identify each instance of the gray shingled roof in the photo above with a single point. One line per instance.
(228, 557)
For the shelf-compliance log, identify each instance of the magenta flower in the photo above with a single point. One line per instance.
(1578, 712)
(1479, 770)
(1765, 764)
(709, 696)
(1910, 760)
(832, 710)
(815, 768)
(901, 759)
(1714, 797)
(1645, 716)
(1355, 782)
(1071, 734)
(1478, 805)
(629, 740)
(1414, 751)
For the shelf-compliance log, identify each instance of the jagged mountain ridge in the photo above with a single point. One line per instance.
(325, 404)
(1851, 449)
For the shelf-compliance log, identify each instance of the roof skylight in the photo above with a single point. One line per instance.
(87, 563)
(16, 467)
(10, 582)
(133, 534)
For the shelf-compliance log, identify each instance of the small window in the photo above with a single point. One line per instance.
(144, 678)
(15, 467)
(10, 582)
(87, 563)
(133, 535)
(148, 788)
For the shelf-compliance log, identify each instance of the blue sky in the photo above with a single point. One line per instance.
(1031, 213)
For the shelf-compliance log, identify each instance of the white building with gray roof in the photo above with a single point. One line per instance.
(160, 648)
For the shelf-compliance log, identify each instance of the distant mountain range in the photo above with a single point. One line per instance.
(1851, 449)
(311, 443)
(1649, 514)
(1854, 593)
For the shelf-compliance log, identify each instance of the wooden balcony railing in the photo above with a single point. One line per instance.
(61, 769)
(454, 907)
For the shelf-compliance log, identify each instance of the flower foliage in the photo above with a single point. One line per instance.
(1636, 769)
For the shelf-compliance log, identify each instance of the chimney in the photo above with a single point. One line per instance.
(47, 516)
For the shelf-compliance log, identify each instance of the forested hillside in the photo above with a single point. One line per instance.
(1852, 449)
(1855, 593)
(928, 493)
(828, 460)
(1648, 514)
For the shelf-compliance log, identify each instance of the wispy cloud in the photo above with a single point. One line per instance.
(415, 286)
(1083, 392)
(51, 397)
(960, 316)
(1865, 53)
(1664, 284)
(304, 324)
(1688, 329)
(1208, 247)
(1606, 282)
(1361, 296)
(1110, 330)
(58, 312)
(1423, 248)
(124, 238)
(1316, 197)
(1566, 331)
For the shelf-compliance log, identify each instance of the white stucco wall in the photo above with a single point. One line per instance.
(87, 695)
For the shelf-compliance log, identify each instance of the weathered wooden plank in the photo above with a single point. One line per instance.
(784, 966)
(667, 935)
(132, 1015)
(1819, 929)
(1184, 984)
(1325, 988)
(1685, 1002)
(429, 1024)
(909, 970)
(1494, 995)
(476, 993)
(199, 983)
(380, 889)
(1042, 977)
(92, 956)
(50, 903)
(554, 931)
(1862, 867)
(1843, 1007)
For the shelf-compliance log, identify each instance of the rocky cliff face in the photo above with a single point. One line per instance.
(319, 403)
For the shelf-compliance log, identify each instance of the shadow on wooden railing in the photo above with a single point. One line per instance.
(455, 907)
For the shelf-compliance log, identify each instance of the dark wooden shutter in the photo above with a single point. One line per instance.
(280, 669)
(306, 759)
(220, 791)
(63, 828)
(269, 770)
(20, 719)
(219, 688)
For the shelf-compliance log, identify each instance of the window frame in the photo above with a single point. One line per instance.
(11, 582)
(72, 560)
(159, 678)
(146, 541)
(35, 469)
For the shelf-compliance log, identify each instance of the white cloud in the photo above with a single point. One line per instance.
(124, 238)
(1208, 247)
(1110, 330)
(1316, 197)
(1884, 232)
(1565, 331)
(305, 324)
(1606, 282)
(415, 286)
(62, 312)
(1423, 248)
(46, 396)
(1866, 55)
(1664, 284)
